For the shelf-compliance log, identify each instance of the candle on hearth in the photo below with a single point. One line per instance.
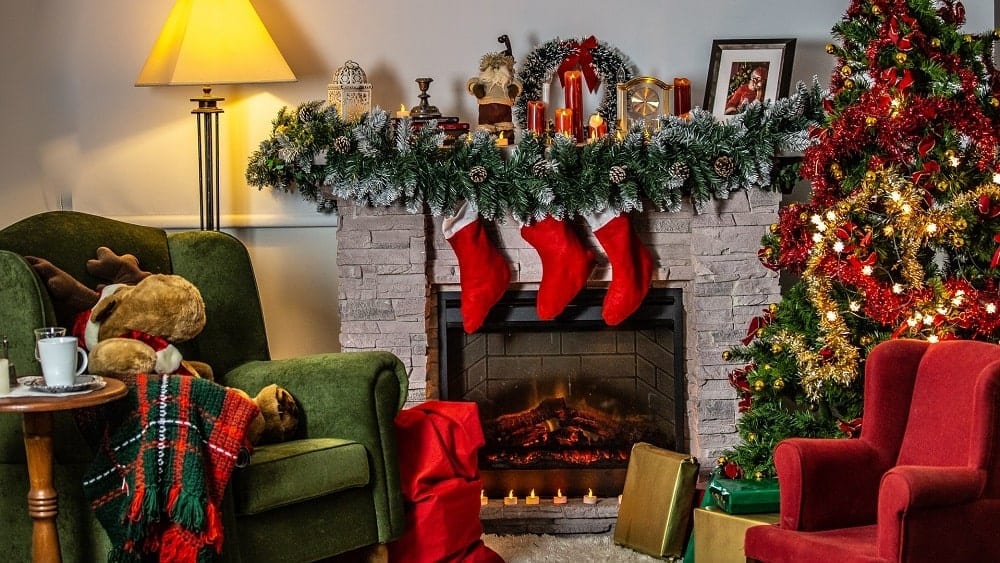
(483, 499)
(531, 499)
(573, 92)
(564, 121)
(510, 499)
(4, 376)
(559, 498)
(502, 141)
(403, 112)
(590, 498)
(598, 127)
(682, 96)
(536, 117)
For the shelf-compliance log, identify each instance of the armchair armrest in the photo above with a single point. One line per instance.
(350, 395)
(827, 483)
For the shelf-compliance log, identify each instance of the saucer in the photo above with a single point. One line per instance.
(82, 383)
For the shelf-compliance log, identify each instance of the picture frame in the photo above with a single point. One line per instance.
(741, 70)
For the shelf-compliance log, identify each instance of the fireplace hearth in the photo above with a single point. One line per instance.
(563, 401)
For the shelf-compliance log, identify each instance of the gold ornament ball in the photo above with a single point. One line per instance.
(995, 102)
(768, 252)
(776, 348)
(942, 185)
(871, 121)
(803, 216)
(967, 38)
(846, 70)
(773, 307)
(773, 228)
(870, 176)
(866, 340)
(759, 475)
(935, 42)
(876, 10)
(830, 49)
(758, 385)
(900, 58)
(722, 460)
(950, 154)
(848, 84)
(751, 436)
(726, 355)
(778, 384)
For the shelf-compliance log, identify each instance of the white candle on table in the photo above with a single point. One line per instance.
(4, 376)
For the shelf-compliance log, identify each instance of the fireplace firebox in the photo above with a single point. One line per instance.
(562, 402)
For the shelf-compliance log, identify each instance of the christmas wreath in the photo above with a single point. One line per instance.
(596, 59)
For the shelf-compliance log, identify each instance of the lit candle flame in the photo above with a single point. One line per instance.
(558, 492)
(532, 493)
(402, 107)
(482, 493)
(511, 495)
(590, 492)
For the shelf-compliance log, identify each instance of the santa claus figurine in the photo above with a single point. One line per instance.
(496, 88)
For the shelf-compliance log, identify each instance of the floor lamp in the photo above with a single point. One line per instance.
(211, 42)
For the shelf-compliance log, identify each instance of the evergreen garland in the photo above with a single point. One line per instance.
(381, 162)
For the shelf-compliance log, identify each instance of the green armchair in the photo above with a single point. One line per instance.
(332, 489)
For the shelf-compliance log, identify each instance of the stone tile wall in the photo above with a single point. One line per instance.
(392, 263)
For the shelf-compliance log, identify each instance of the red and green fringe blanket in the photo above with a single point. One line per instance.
(165, 454)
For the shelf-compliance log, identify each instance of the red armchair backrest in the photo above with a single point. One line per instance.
(953, 406)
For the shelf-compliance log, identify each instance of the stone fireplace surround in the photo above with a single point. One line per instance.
(392, 263)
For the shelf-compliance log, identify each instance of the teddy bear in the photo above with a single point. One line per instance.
(133, 324)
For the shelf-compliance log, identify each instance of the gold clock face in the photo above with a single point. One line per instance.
(643, 101)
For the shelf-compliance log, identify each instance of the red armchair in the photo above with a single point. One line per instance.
(922, 483)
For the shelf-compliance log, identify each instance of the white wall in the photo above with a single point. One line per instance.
(77, 133)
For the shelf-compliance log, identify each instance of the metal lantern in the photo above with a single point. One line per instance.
(350, 92)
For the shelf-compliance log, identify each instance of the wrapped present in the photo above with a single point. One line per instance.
(655, 510)
(706, 501)
(745, 496)
(718, 535)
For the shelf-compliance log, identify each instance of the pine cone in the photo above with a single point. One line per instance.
(541, 168)
(342, 144)
(478, 174)
(617, 174)
(680, 171)
(724, 166)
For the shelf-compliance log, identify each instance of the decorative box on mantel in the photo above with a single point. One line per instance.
(350, 93)
(392, 264)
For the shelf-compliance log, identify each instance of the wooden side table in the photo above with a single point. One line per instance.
(43, 502)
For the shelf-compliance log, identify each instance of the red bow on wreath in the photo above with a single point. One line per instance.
(581, 57)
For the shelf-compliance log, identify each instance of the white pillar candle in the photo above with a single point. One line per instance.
(4, 376)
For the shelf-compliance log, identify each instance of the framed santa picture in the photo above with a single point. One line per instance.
(743, 71)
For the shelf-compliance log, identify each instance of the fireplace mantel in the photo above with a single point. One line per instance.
(391, 264)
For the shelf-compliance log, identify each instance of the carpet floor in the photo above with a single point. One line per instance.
(530, 548)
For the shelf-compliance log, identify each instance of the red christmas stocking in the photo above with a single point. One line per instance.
(566, 264)
(631, 264)
(484, 274)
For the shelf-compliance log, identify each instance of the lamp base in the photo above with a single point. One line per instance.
(207, 116)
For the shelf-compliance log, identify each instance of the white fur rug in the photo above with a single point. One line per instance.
(530, 548)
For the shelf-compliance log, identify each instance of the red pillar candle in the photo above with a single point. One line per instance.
(536, 117)
(573, 90)
(682, 96)
(564, 121)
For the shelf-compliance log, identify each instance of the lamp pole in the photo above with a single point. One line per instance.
(207, 115)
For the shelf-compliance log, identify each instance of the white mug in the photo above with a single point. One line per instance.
(58, 357)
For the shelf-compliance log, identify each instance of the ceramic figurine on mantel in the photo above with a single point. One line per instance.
(496, 88)
(350, 93)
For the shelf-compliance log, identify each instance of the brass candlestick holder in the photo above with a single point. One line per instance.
(424, 110)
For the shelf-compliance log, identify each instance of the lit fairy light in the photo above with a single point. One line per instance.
(911, 322)
(996, 177)
(958, 298)
(954, 161)
(991, 308)
(931, 228)
(831, 215)
(895, 196)
(838, 246)
(897, 288)
(928, 320)
(817, 237)
(855, 306)
(831, 316)
(867, 270)
(905, 209)
(932, 338)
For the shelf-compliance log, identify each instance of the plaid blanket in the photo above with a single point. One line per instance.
(165, 455)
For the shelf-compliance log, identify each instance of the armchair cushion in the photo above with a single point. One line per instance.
(323, 465)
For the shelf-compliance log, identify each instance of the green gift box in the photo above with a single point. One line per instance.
(745, 496)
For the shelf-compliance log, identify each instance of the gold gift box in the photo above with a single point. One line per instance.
(656, 504)
(718, 535)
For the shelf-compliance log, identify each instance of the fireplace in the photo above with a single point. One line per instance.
(393, 265)
(563, 401)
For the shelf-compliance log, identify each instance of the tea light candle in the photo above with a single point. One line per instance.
(483, 500)
(403, 112)
(619, 499)
(559, 498)
(4, 376)
(564, 121)
(510, 499)
(590, 498)
(531, 499)
(598, 127)
(502, 141)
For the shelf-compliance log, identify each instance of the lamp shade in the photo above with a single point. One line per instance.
(207, 42)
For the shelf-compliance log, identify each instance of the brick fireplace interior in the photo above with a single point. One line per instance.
(393, 266)
(563, 401)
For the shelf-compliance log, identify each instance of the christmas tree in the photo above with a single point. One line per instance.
(901, 235)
